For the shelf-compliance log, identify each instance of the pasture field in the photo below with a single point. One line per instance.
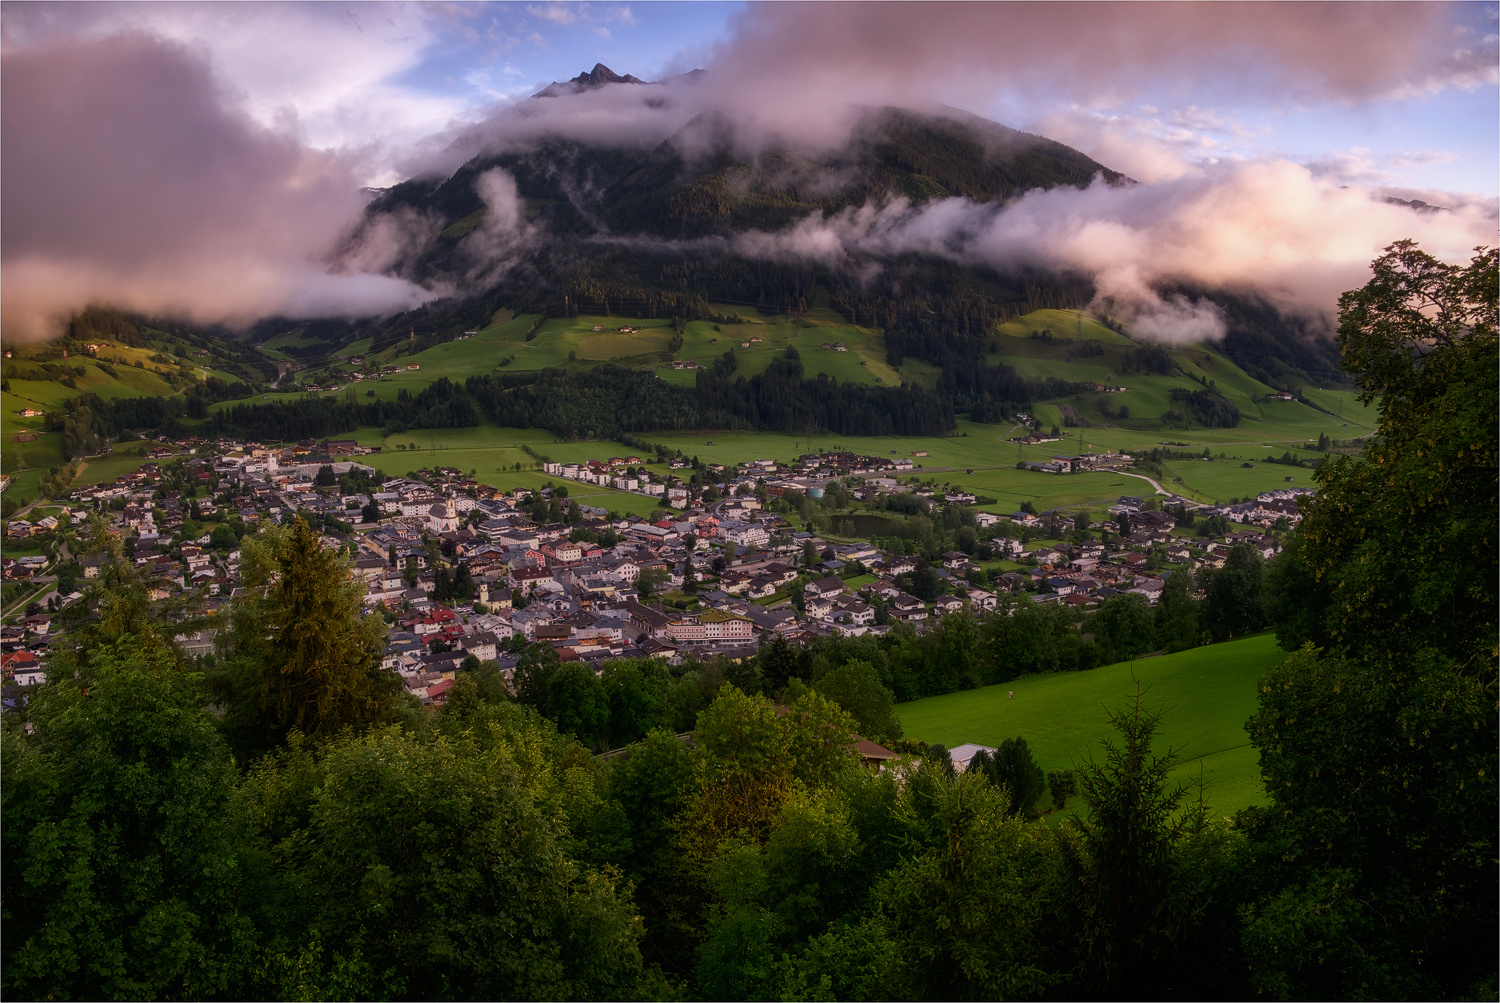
(123, 459)
(1206, 694)
(1222, 480)
(496, 466)
(25, 485)
(864, 362)
(129, 381)
(923, 374)
(293, 339)
(1064, 325)
(25, 462)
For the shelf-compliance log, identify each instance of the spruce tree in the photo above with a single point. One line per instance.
(303, 648)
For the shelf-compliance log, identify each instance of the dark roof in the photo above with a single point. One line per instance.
(868, 750)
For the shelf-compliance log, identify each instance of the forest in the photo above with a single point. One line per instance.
(280, 822)
(607, 401)
(441, 404)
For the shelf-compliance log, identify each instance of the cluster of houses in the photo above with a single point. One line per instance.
(809, 474)
(1060, 464)
(1266, 509)
(749, 573)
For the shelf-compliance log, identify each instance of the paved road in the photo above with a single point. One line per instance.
(1159, 489)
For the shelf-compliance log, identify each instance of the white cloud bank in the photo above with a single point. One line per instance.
(1272, 227)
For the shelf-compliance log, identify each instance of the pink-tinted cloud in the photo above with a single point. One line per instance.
(129, 180)
(794, 66)
(1272, 228)
(798, 73)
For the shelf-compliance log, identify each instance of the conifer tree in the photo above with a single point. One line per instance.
(324, 673)
(298, 652)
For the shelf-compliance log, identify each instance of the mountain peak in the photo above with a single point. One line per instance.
(602, 74)
(597, 77)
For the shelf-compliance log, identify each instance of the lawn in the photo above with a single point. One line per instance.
(125, 458)
(1207, 694)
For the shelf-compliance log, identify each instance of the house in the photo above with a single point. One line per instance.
(963, 755)
(762, 587)
(873, 755)
(857, 612)
(819, 607)
(710, 627)
(482, 646)
(1151, 588)
(824, 587)
(905, 607)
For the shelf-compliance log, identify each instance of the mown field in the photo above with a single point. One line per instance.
(1206, 696)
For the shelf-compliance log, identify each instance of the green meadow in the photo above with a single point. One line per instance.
(1206, 695)
(123, 459)
(863, 362)
(492, 454)
(976, 457)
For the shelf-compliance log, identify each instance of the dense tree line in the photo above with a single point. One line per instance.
(781, 400)
(608, 401)
(1149, 359)
(594, 403)
(87, 421)
(1377, 862)
(442, 404)
(1207, 407)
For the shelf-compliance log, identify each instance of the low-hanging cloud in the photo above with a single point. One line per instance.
(128, 180)
(495, 245)
(1272, 228)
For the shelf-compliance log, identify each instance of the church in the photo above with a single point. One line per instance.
(442, 518)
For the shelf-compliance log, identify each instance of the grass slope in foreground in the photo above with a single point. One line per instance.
(1207, 693)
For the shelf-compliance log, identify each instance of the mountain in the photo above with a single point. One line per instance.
(597, 77)
(578, 189)
(650, 230)
(653, 231)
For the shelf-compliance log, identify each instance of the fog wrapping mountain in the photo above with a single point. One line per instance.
(562, 225)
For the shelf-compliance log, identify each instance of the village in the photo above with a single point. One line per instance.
(461, 570)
